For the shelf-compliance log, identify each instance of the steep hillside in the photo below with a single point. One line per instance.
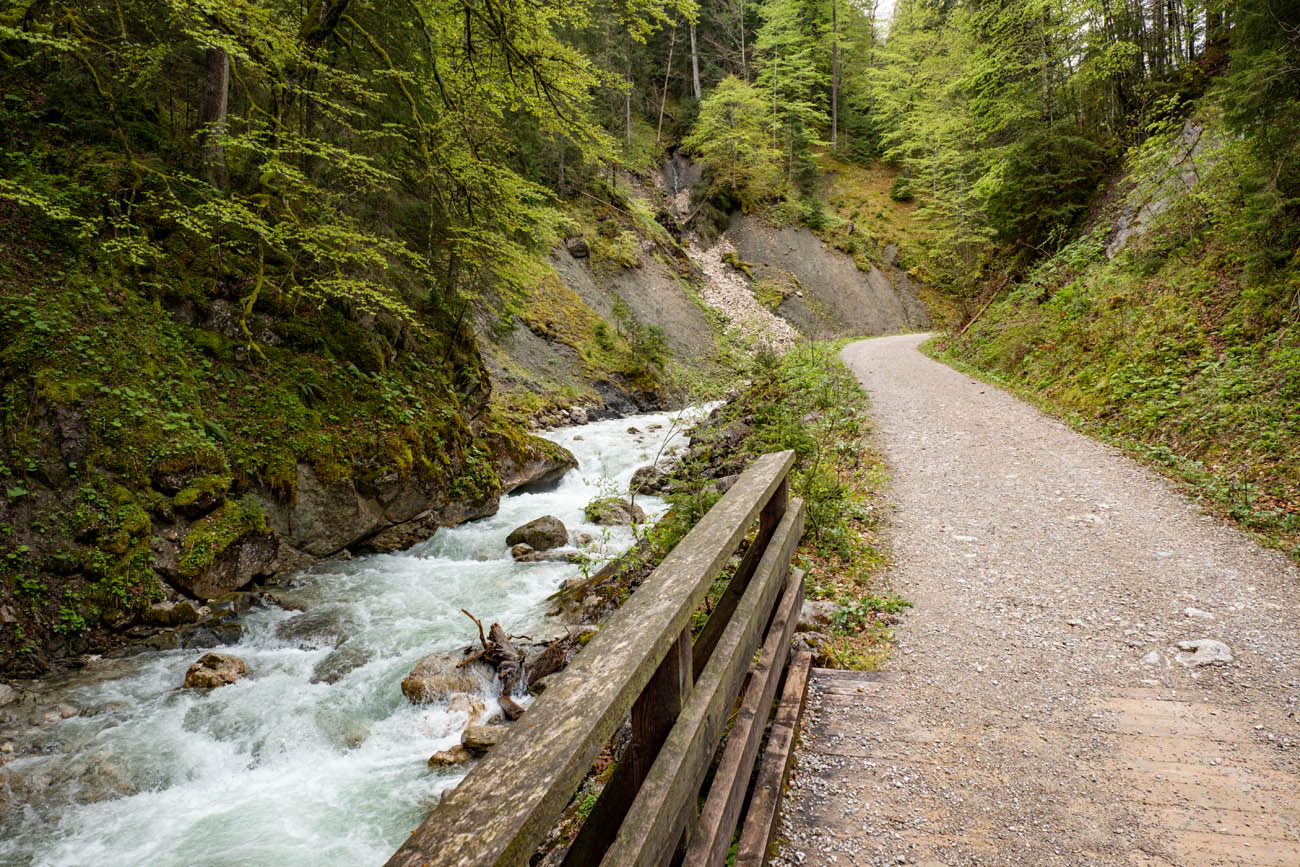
(1169, 326)
(153, 457)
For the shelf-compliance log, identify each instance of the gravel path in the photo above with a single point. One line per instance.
(1038, 709)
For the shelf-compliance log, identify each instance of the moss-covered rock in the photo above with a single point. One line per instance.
(225, 550)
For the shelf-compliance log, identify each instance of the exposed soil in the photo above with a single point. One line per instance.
(838, 298)
(1038, 709)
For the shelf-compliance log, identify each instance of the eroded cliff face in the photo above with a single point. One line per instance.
(822, 291)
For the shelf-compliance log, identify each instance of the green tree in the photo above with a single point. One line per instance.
(795, 84)
(730, 138)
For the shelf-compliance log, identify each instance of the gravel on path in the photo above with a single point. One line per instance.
(1040, 709)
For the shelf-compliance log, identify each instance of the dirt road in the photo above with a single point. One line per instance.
(1038, 709)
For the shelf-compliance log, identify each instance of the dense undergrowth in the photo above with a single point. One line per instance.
(128, 407)
(1184, 348)
(808, 401)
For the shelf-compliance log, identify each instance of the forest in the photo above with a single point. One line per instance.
(310, 308)
(412, 157)
(243, 237)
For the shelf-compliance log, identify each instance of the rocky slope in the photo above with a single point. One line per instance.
(156, 456)
(822, 291)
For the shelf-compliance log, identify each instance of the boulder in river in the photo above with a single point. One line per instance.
(531, 465)
(480, 739)
(213, 670)
(541, 534)
(521, 550)
(315, 629)
(248, 556)
(613, 511)
(437, 677)
(347, 656)
(456, 755)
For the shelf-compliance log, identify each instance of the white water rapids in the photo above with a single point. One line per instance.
(276, 770)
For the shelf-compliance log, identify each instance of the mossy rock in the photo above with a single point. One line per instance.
(201, 495)
(211, 535)
(132, 525)
(184, 462)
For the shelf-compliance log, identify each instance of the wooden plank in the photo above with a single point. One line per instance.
(653, 716)
(721, 810)
(769, 786)
(768, 520)
(839, 674)
(503, 808)
(649, 834)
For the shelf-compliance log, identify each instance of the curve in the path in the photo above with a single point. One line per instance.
(1038, 710)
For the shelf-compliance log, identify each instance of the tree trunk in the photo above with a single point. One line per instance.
(744, 66)
(835, 77)
(668, 73)
(627, 101)
(213, 115)
(560, 184)
(695, 64)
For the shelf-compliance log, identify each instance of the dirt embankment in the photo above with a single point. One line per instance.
(824, 292)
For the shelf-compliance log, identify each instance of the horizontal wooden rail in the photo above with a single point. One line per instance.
(502, 810)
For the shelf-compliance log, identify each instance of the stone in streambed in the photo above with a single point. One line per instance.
(511, 708)
(170, 613)
(541, 534)
(214, 670)
(475, 710)
(558, 555)
(521, 550)
(480, 739)
(436, 678)
(613, 511)
(456, 755)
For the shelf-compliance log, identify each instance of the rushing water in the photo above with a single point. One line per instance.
(275, 769)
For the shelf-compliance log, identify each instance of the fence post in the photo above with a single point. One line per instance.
(768, 519)
(653, 716)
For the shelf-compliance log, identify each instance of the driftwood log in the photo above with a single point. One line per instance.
(518, 671)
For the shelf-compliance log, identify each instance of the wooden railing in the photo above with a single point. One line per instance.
(680, 694)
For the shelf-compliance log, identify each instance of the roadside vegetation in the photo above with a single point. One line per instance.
(805, 400)
(1183, 348)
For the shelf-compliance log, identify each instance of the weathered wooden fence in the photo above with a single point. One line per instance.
(681, 695)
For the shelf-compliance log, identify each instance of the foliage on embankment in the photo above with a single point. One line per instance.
(1184, 347)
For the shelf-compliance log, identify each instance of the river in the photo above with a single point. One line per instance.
(277, 769)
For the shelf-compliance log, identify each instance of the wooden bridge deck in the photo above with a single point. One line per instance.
(1142, 777)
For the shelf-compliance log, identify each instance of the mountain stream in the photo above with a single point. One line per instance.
(282, 767)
